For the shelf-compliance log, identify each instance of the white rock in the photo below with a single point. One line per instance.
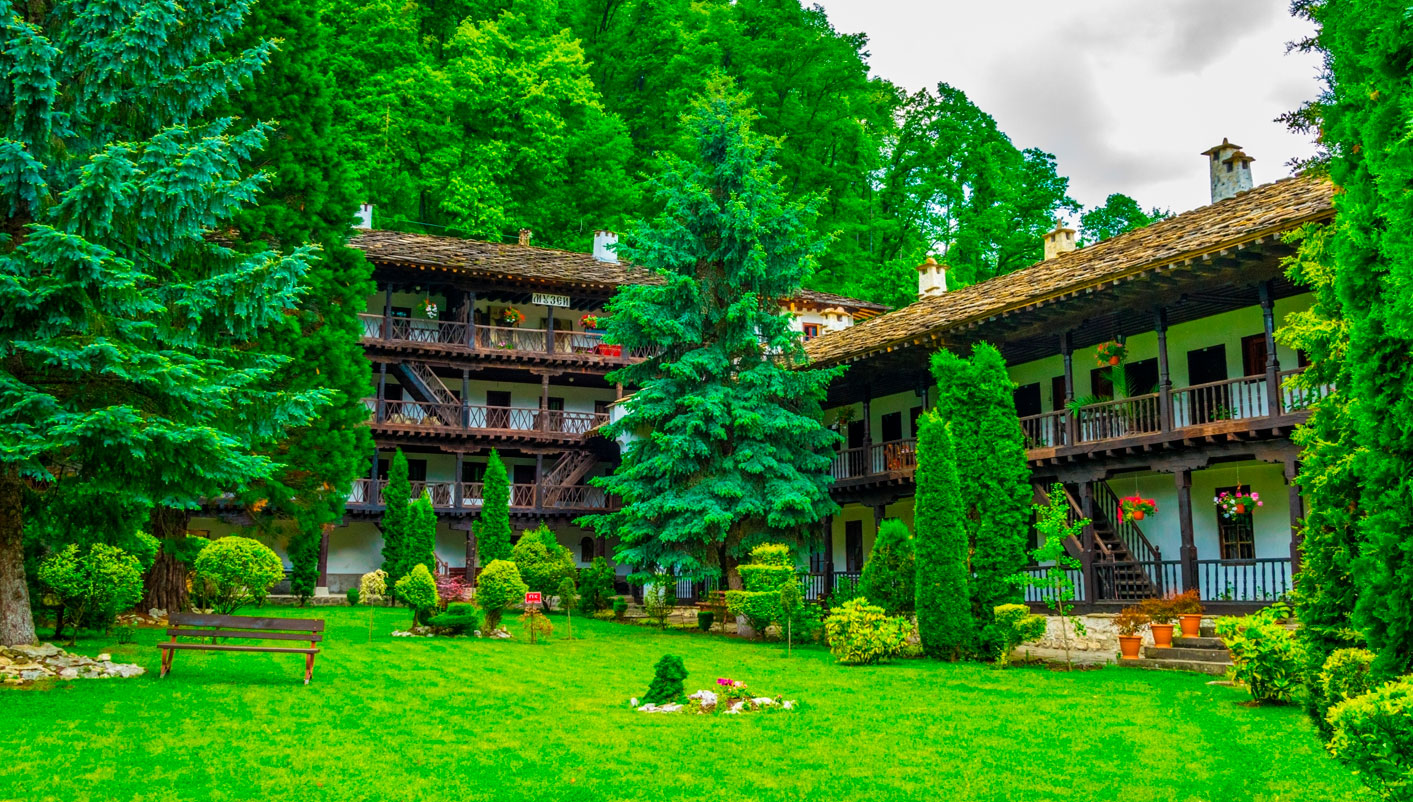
(633, 701)
(37, 650)
(68, 673)
(673, 708)
(707, 698)
(763, 700)
(788, 704)
(157, 612)
(736, 707)
(102, 657)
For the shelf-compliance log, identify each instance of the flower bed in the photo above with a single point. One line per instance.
(730, 698)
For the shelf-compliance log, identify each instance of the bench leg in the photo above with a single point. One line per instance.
(167, 655)
(308, 667)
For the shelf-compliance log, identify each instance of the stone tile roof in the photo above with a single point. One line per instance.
(1266, 210)
(543, 265)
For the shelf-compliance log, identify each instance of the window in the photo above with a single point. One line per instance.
(1057, 393)
(1236, 536)
(853, 546)
(473, 471)
(811, 330)
(586, 549)
(1099, 383)
(1142, 376)
(1027, 399)
(601, 407)
(417, 470)
(555, 403)
(892, 427)
(523, 474)
(817, 558)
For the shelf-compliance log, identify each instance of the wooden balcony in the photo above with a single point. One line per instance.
(458, 338)
(468, 497)
(503, 423)
(876, 463)
(1259, 581)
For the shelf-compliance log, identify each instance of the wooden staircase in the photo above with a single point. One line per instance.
(427, 387)
(1119, 548)
(566, 472)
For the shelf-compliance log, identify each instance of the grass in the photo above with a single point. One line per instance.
(464, 719)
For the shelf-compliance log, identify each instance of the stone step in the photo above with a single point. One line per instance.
(1197, 666)
(1180, 653)
(1204, 642)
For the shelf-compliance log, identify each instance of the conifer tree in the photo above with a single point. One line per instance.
(127, 332)
(944, 614)
(888, 576)
(493, 529)
(738, 453)
(975, 398)
(421, 539)
(397, 518)
(309, 198)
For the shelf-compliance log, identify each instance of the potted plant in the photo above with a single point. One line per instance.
(1130, 622)
(1161, 617)
(1237, 503)
(510, 317)
(430, 308)
(1188, 608)
(1136, 507)
(1111, 353)
(592, 323)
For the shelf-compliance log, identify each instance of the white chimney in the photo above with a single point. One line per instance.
(365, 217)
(525, 235)
(1230, 169)
(931, 279)
(605, 246)
(1059, 241)
(836, 319)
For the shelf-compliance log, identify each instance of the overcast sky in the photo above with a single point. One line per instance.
(1125, 93)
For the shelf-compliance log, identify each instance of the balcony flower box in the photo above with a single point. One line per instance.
(593, 324)
(604, 349)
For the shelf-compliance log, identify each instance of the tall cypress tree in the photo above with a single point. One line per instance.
(944, 616)
(421, 535)
(493, 529)
(309, 198)
(738, 453)
(975, 398)
(397, 516)
(128, 334)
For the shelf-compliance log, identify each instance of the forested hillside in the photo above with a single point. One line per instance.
(483, 117)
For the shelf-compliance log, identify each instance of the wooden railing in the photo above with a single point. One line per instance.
(496, 338)
(895, 455)
(1232, 399)
(483, 417)
(1264, 579)
(368, 493)
(1047, 430)
(1295, 399)
(1124, 417)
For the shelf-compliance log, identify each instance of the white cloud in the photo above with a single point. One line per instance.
(1126, 95)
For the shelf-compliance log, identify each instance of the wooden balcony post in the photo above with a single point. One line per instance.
(1071, 422)
(373, 479)
(471, 319)
(470, 553)
(1187, 553)
(379, 411)
(1087, 548)
(457, 491)
(539, 476)
(828, 553)
(465, 409)
(387, 313)
(549, 329)
(1297, 513)
(1165, 381)
(544, 404)
(1273, 365)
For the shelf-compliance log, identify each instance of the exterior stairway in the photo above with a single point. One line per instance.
(565, 474)
(427, 387)
(1204, 655)
(1124, 544)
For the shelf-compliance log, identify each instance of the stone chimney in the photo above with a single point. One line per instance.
(931, 279)
(835, 319)
(365, 217)
(1230, 168)
(1059, 241)
(525, 234)
(605, 243)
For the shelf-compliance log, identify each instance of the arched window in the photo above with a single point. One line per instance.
(586, 550)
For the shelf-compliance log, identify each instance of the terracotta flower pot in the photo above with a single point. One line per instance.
(1113, 361)
(1162, 635)
(1191, 625)
(1241, 509)
(1129, 646)
(1137, 515)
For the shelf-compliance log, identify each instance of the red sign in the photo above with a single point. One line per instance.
(533, 597)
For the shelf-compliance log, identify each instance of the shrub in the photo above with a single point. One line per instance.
(493, 528)
(352, 595)
(620, 608)
(770, 569)
(92, 587)
(1131, 620)
(543, 563)
(418, 590)
(1264, 653)
(373, 586)
(536, 625)
(499, 587)
(860, 633)
(888, 576)
(846, 589)
(451, 588)
(1189, 602)
(667, 685)
(1373, 735)
(704, 620)
(943, 602)
(596, 587)
(459, 619)
(236, 571)
(1013, 625)
(1346, 675)
(659, 599)
(1159, 611)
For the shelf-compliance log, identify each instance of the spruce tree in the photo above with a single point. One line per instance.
(738, 453)
(128, 333)
(493, 529)
(309, 198)
(944, 614)
(397, 518)
(975, 398)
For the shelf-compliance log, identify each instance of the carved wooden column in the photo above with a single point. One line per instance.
(470, 553)
(1071, 422)
(549, 329)
(465, 406)
(1165, 382)
(379, 411)
(1273, 365)
(539, 476)
(828, 554)
(1187, 552)
(457, 492)
(387, 313)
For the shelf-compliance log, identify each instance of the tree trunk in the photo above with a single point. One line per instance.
(16, 620)
(165, 582)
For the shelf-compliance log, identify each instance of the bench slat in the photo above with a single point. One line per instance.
(236, 633)
(246, 622)
(215, 647)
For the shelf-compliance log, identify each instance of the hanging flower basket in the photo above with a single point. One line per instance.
(1237, 503)
(1136, 508)
(510, 317)
(430, 308)
(1110, 353)
(592, 321)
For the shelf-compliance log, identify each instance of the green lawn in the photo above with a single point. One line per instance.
(434, 719)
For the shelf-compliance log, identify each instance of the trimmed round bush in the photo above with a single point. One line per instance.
(1373, 735)
(459, 619)
(418, 590)
(352, 595)
(499, 587)
(888, 576)
(233, 572)
(860, 633)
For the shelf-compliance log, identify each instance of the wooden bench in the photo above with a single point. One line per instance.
(193, 625)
